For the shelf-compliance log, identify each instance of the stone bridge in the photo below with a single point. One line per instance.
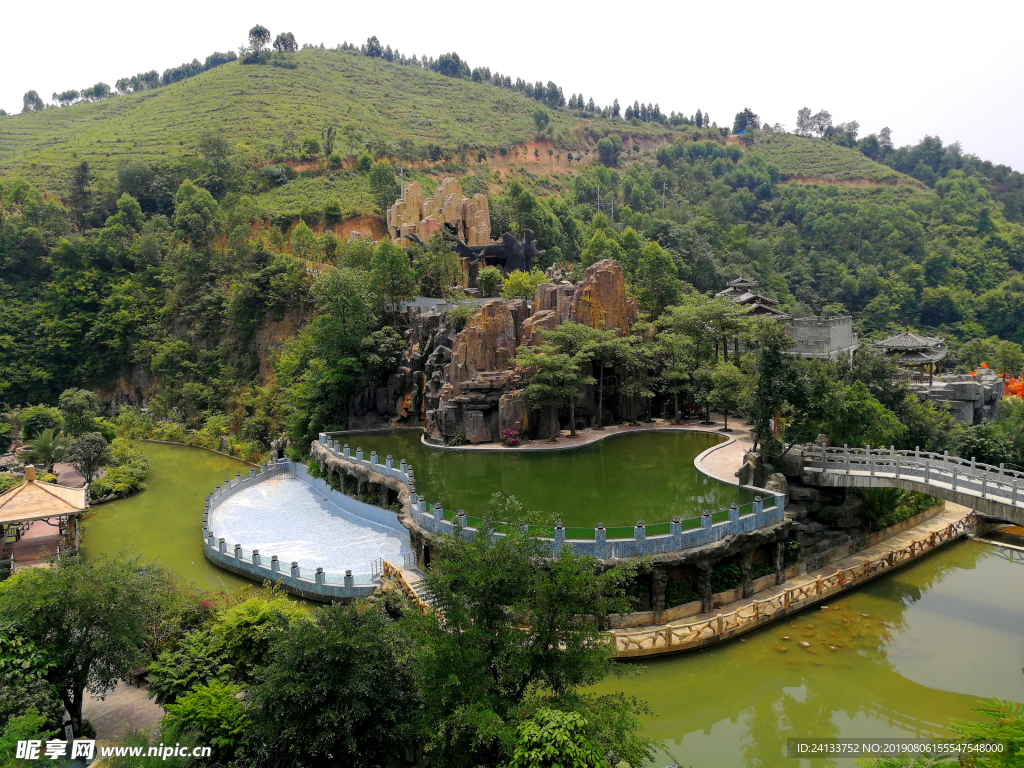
(996, 492)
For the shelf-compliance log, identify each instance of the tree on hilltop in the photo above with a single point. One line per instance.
(285, 43)
(32, 103)
(746, 120)
(259, 38)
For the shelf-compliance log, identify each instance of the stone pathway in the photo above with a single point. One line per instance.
(740, 431)
(126, 707)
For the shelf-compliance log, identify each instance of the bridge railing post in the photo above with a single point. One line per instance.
(954, 477)
(895, 460)
(871, 461)
(927, 471)
(1013, 493)
(846, 457)
(984, 485)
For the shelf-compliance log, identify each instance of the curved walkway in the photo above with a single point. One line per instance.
(739, 432)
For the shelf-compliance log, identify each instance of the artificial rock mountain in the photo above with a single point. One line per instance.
(466, 386)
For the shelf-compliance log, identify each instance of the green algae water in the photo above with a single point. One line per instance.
(896, 658)
(163, 524)
(645, 476)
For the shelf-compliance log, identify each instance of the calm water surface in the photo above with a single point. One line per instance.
(645, 476)
(896, 658)
(164, 523)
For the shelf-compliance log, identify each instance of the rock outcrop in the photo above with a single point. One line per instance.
(468, 217)
(465, 386)
(970, 399)
(599, 299)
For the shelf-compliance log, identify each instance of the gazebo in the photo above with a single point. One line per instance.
(915, 352)
(39, 520)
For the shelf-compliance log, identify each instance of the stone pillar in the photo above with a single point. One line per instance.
(373, 457)
(559, 537)
(601, 539)
(349, 581)
(359, 453)
(659, 581)
(677, 532)
(222, 546)
(238, 551)
(746, 567)
(319, 576)
(255, 557)
(389, 462)
(402, 466)
(758, 505)
(211, 540)
(275, 564)
(640, 536)
(346, 450)
(734, 516)
(295, 570)
(438, 515)
(252, 472)
(460, 521)
(704, 586)
(780, 561)
(322, 438)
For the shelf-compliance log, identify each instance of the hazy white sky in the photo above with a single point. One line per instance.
(955, 70)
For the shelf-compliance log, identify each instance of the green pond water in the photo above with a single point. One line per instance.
(622, 479)
(163, 524)
(896, 658)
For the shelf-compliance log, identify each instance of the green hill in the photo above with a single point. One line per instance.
(812, 159)
(368, 99)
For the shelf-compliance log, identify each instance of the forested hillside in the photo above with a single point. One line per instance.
(173, 244)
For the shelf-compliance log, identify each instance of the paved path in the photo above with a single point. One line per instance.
(124, 707)
(740, 431)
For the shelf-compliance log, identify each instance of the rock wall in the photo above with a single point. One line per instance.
(415, 214)
(970, 399)
(466, 386)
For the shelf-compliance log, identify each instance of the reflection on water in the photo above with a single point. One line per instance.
(164, 523)
(645, 476)
(895, 658)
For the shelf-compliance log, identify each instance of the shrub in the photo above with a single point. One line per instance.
(199, 660)
(215, 714)
(332, 210)
(334, 161)
(522, 285)
(489, 279)
(126, 472)
(510, 437)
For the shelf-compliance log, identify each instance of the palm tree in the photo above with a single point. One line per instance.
(48, 448)
(12, 416)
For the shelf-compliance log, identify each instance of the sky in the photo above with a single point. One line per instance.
(920, 68)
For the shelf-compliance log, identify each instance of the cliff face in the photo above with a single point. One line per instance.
(465, 386)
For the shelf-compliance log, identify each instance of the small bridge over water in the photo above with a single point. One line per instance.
(993, 491)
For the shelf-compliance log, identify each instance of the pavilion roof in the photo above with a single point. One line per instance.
(910, 341)
(34, 500)
(742, 281)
